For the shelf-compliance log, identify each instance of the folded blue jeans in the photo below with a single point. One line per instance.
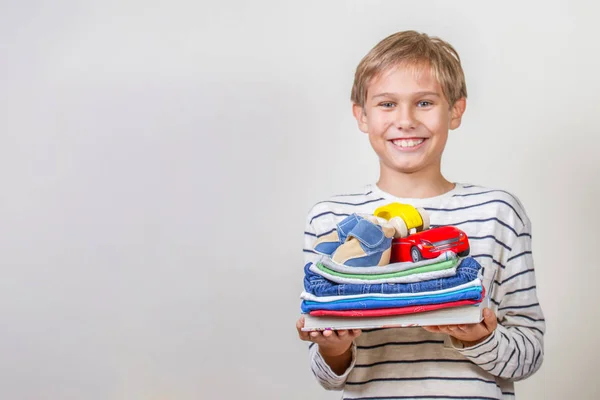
(473, 293)
(467, 270)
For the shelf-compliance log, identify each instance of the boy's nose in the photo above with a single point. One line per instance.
(405, 120)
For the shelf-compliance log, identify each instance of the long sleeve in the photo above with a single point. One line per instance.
(325, 376)
(515, 350)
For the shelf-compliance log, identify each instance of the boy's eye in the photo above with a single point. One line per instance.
(424, 103)
(386, 104)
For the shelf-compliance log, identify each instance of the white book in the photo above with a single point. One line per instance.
(469, 314)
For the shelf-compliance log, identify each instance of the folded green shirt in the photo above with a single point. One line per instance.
(427, 268)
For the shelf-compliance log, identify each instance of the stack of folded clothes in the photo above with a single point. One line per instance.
(359, 274)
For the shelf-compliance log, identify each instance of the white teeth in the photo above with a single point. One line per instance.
(408, 143)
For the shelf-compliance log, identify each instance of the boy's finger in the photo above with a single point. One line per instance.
(299, 325)
(432, 328)
(489, 320)
(453, 330)
(471, 328)
(356, 332)
(328, 333)
(342, 333)
(444, 329)
(317, 337)
(460, 328)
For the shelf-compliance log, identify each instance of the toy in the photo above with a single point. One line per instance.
(366, 245)
(404, 218)
(358, 241)
(329, 243)
(430, 244)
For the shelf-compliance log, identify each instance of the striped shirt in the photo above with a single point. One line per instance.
(411, 363)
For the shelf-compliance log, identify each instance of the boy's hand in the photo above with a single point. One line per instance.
(331, 343)
(470, 334)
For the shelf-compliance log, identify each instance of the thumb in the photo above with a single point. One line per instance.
(489, 320)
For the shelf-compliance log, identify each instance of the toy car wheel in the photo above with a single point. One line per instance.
(400, 227)
(376, 220)
(415, 254)
(465, 253)
(425, 217)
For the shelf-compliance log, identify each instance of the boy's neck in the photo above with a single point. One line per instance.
(417, 185)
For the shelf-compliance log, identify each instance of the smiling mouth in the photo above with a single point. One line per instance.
(408, 143)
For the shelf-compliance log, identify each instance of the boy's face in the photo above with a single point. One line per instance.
(407, 118)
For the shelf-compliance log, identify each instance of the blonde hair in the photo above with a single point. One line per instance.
(413, 49)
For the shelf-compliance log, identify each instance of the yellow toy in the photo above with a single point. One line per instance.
(404, 218)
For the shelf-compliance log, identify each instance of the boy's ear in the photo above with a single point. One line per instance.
(361, 117)
(458, 109)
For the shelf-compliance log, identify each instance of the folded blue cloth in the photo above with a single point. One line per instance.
(472, 293)
(317, 285)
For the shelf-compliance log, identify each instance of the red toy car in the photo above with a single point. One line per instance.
(430, 244)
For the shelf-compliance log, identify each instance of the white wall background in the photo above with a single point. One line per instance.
(157, 161)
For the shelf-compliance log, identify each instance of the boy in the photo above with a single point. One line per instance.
(408, 91)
